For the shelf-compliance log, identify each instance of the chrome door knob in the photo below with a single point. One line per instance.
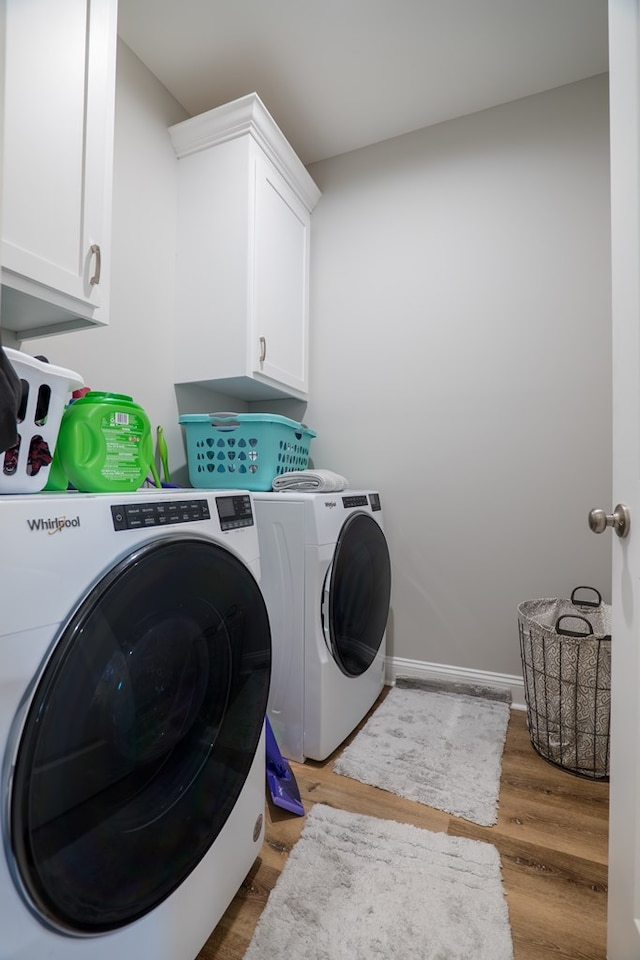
(620, 520)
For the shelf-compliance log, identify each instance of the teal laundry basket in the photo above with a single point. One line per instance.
(243, 451)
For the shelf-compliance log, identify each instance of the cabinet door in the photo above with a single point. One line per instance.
(280, 322)
(58, 143)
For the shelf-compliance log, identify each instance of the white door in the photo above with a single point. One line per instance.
(624, 839)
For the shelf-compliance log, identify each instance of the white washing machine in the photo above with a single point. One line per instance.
(134, 673)
(326, 578)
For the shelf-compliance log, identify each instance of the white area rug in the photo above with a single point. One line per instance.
(359, 888)
(441, 749)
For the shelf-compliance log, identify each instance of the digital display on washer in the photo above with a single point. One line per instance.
(234, 511)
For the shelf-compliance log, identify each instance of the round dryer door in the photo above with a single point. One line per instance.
(356, 594)
(140, 734)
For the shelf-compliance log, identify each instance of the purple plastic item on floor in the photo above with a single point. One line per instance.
(280, 779)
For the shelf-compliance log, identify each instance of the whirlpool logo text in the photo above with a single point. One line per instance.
(53, 524)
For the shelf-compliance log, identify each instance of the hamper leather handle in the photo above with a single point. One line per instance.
(573, 633)
(586, 603)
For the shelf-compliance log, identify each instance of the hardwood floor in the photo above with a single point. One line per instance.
(551, 833)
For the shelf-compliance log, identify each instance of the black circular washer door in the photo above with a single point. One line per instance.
(140, 734)
(359, 591)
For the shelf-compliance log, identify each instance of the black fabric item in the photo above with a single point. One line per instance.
(10, 392)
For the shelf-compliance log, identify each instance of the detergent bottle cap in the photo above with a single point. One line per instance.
(103, 396)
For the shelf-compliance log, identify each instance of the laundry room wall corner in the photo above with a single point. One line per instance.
(460, 361)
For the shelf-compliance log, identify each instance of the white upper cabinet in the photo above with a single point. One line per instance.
(244, 212)
(57, 164)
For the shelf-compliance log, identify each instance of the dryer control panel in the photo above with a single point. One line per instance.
(356, 500)
(361, 500)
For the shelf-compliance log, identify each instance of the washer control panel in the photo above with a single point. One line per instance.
(158, 513)
(234, 511)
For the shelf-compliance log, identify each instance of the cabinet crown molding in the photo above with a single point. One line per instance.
(246, 116)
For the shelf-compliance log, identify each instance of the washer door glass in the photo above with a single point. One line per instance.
(140, 735)
(357, 594)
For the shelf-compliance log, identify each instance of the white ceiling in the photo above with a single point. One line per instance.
(341, 74)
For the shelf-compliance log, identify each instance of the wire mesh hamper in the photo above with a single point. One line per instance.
(566, 663)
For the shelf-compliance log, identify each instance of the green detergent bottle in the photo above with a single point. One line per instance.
(104, 444)
(57, 480)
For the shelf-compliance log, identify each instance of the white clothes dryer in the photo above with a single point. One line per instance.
(326, 578)
(134, 673)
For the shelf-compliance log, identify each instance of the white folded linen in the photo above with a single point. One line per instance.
(312, 480)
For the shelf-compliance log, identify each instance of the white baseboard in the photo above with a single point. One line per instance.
(419, 670)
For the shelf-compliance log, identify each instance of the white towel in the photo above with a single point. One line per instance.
(312, 480)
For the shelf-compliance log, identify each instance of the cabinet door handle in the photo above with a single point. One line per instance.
(95, 279)
(263, 349)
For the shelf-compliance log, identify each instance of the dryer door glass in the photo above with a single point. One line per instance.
(140, 734)
(359, 590)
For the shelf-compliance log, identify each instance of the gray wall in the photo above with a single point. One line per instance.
(460, 358)
(460, 361)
